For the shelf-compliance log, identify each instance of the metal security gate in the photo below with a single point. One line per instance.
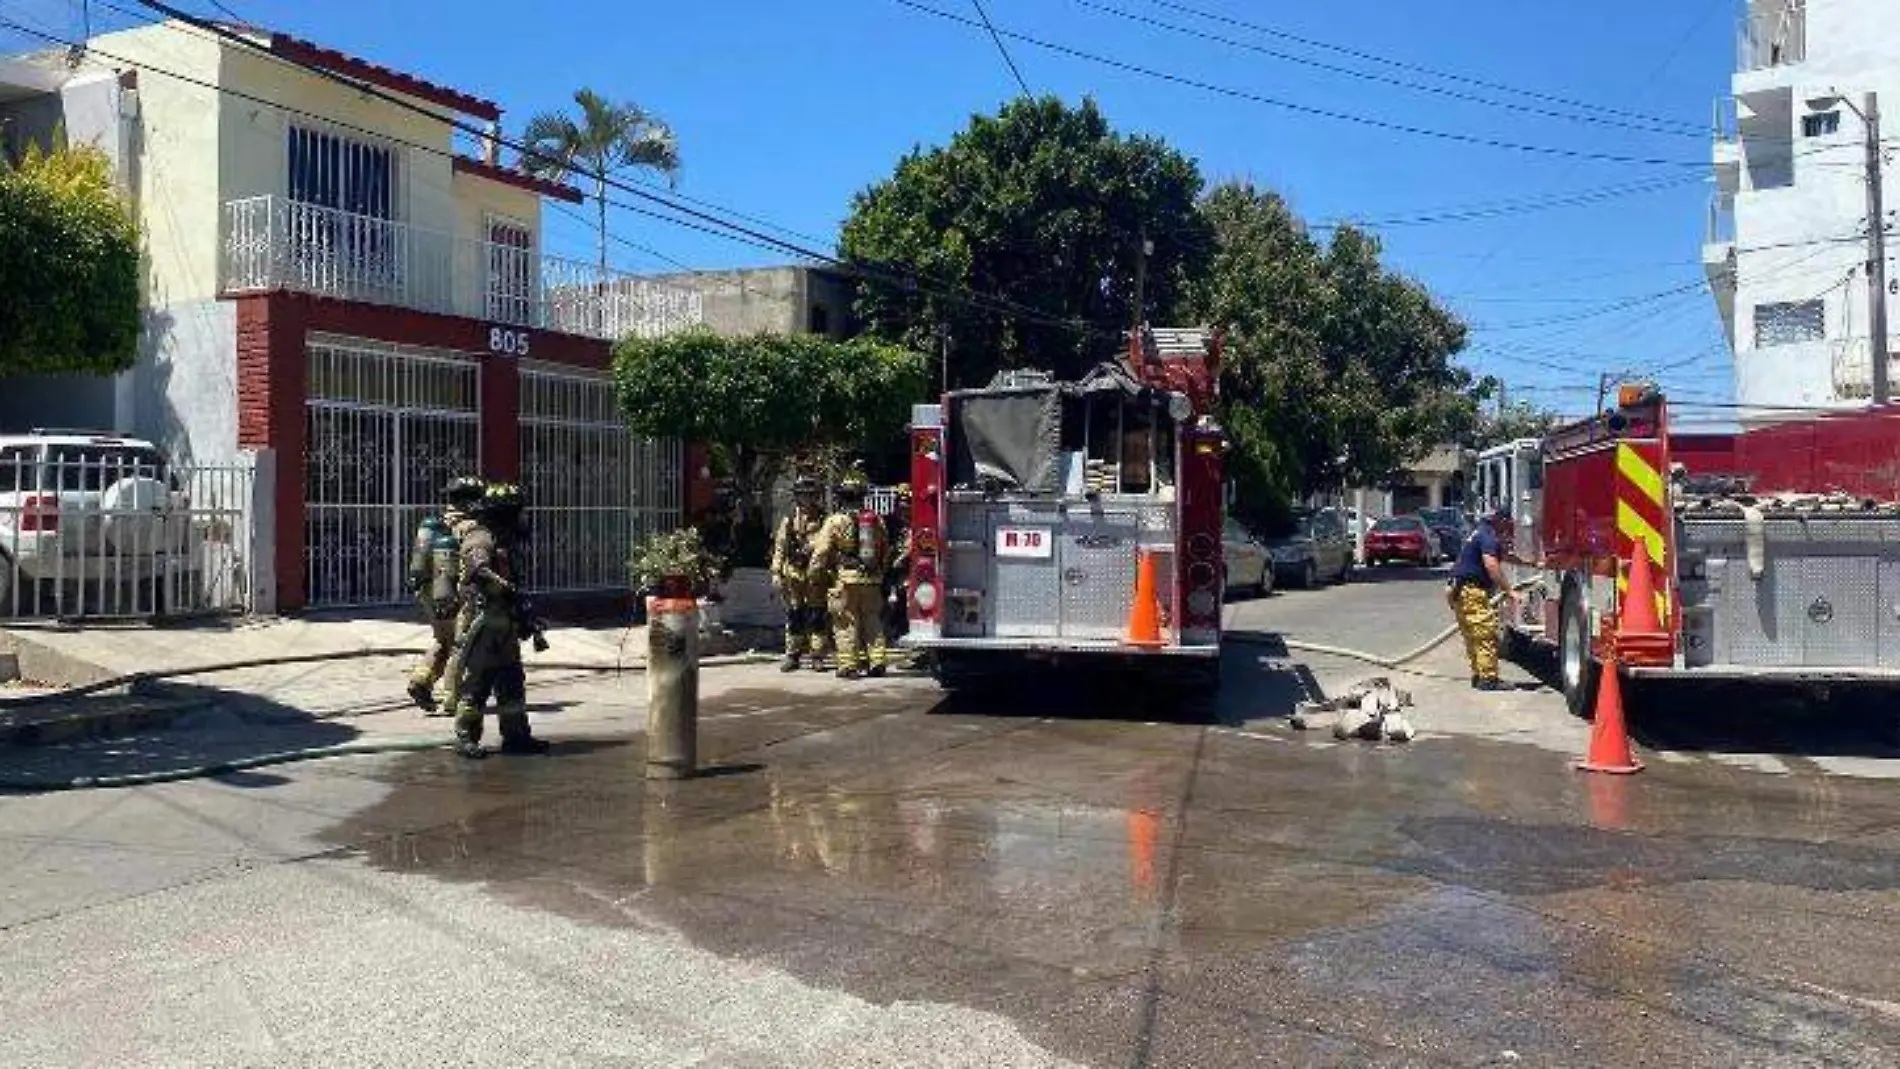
(593, 487)
(386, 427)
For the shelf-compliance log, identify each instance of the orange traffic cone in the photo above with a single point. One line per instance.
(1609, 742)
(1144, 616)
(1637, 612)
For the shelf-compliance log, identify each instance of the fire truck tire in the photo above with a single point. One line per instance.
(1577, 667)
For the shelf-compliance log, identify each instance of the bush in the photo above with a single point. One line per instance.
(69, 266)
(675, 555)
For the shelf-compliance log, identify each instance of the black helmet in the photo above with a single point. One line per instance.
(500, 499)
(464, 490)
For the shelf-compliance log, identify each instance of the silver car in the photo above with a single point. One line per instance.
(1249, 567)
(1318, 549)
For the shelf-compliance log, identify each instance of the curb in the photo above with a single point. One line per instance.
(72, 727)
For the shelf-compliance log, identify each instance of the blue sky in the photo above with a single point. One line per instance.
(784, 110)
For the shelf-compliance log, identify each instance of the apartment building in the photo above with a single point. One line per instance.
(352, 289)
(1786, 252)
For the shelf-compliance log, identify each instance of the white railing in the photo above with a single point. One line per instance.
(271, 243)
(1773, 37)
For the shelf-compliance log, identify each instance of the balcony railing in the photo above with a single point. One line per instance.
(1773, 37)
(271, 243)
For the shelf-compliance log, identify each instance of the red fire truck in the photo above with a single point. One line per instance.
(1763, 569)
(1034, 503)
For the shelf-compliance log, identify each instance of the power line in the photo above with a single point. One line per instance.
(898, 276)
(1307, 109)
(1009, 60)
(1521, 206)
(1673, 128)
(1415, 68)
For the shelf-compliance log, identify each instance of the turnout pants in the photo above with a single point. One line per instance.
(807, 630)
(440, 668)
(857, 622)
(492, 669)
(1478, 622)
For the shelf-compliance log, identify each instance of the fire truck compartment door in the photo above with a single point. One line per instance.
(1025, 587)
(1098, 571)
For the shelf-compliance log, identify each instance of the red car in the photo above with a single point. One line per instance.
(1401, 538)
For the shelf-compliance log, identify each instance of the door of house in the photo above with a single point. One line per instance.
(386, 427)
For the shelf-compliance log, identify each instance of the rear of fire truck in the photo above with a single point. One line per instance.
(1756, 577)
(1037, 506)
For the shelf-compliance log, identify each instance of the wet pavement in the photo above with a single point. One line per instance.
(1066, 873)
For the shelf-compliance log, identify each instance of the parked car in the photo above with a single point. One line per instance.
(95, 513)
(1317, 548)
(1449, 526)
(1401, 538)
(1249, 568)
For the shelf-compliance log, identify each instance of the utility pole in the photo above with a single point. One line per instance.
(1146, 250)
(943, 357)
(1876, 251)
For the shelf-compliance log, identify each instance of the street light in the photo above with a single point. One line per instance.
(1876, 231)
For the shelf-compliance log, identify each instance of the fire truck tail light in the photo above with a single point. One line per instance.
(1201, 603)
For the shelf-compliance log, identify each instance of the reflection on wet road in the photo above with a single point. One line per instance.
(1169, 893)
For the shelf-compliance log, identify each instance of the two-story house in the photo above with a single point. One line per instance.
(1786, 250)
(351, 289)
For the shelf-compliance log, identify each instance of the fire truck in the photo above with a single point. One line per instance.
(1759, 572)
(1039, 507)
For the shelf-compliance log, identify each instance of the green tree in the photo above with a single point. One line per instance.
(69, 266)
(763, 399)
(1338, 371)
(606, 139)
(1043, 206)
(1508, 423)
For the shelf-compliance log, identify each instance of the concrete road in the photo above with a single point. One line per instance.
(874, 875)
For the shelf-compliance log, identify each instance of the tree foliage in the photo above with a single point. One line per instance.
(605, 139)
(69, 266)
(763, 399)
(1339, 371)
(1043, 206)
(1510, 422)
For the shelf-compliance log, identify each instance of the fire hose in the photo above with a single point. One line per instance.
(1392, 663)
(406, 744)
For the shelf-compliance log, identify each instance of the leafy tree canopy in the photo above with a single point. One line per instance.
(1338, 370)
(1508, 423)
(69, 266)
(1044, 206)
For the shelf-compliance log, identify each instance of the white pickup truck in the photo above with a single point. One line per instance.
(91, 523)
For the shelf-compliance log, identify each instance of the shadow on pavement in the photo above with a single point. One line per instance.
(1735, 718)
(169, 728)
(1397, 573)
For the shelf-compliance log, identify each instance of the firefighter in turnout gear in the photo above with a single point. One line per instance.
(1476, 579)
(795, 579)
(491, 634)
(434, 576)
(852, 552)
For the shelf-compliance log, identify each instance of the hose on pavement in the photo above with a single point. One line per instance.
(1392, 663)
(408, 744)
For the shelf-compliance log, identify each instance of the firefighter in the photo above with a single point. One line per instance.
(794, 578)
(1475, 580)
(434, 557)
(850, 553)
(897, 577)
(492, 629)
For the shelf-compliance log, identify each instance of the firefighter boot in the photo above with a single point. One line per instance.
(517, 738)
(421, 693)
(790, 664)
(468, 736)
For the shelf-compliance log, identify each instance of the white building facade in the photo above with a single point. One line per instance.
(1786, 251)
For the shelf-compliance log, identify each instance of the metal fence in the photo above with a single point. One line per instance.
(593, 487)
(104, 531)
(386, 428)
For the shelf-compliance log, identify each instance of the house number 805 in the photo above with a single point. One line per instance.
(509, 342)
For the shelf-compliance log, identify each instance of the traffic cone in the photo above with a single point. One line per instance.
(1144, 616)
(1637, 612)
(1609, 742)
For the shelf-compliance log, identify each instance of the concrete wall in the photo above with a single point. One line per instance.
(778, 300)
(1798, 195)
(182, 395)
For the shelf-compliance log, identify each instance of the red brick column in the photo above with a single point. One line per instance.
(272, 386)
(501, 419)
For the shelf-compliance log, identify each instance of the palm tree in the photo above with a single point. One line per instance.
(607, 138)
